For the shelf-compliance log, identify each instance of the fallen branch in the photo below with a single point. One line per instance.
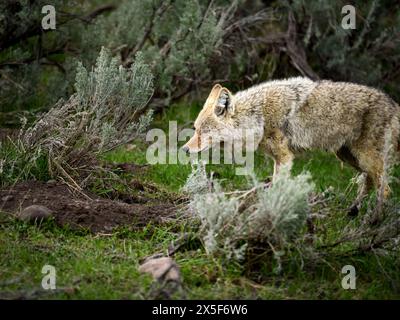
(295, 50)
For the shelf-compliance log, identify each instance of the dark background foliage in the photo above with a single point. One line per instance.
(192, 44)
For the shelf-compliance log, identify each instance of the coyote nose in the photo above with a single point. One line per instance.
(185, 149)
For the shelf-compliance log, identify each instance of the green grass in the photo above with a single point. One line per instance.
(16, 165)
(106, 267)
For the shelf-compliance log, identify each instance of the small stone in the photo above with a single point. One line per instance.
(162, 269)
(130, 147)
(34, 213)
(51, 182)
(7, 198)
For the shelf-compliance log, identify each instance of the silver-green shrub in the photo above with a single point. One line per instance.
(106, 111)
(197, 181)
(284, 205)
(184, 36)
(232, 223)
(188, 43)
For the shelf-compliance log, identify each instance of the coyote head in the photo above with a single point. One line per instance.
(215, 122)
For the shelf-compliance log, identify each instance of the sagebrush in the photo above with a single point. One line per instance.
(232, 224)
(106, 111)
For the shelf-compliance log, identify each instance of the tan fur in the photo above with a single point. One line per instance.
(298, 114)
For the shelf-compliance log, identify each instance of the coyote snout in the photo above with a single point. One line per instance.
(297, 114)
(194, 145)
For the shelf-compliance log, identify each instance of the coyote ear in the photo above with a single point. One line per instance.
(224, 102)
(214, 94)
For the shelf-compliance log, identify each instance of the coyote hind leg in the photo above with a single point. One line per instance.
(372, 163)
(365, 185)
(365, 182)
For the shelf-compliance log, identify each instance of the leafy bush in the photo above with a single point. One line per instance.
(197, 181)
(188, 43)
(34, 64)
(106, 111)
(233, 225)
(284, 205)
(368, 54)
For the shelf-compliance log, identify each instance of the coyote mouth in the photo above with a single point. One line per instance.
(189, 151)
(201, 150)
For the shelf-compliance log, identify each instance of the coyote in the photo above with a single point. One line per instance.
(297, 114)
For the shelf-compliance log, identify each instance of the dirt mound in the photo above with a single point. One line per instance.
(78, 211)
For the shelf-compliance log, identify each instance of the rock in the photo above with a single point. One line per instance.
(34, 213)
(130, 147)
(162, 269)
(51, 182)
(108, 228)
(7, 198)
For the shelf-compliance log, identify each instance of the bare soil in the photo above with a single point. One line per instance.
(88, 212)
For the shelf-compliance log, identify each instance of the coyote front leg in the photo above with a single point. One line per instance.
(276, 145)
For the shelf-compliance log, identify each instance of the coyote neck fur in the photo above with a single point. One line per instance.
(277, 101)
